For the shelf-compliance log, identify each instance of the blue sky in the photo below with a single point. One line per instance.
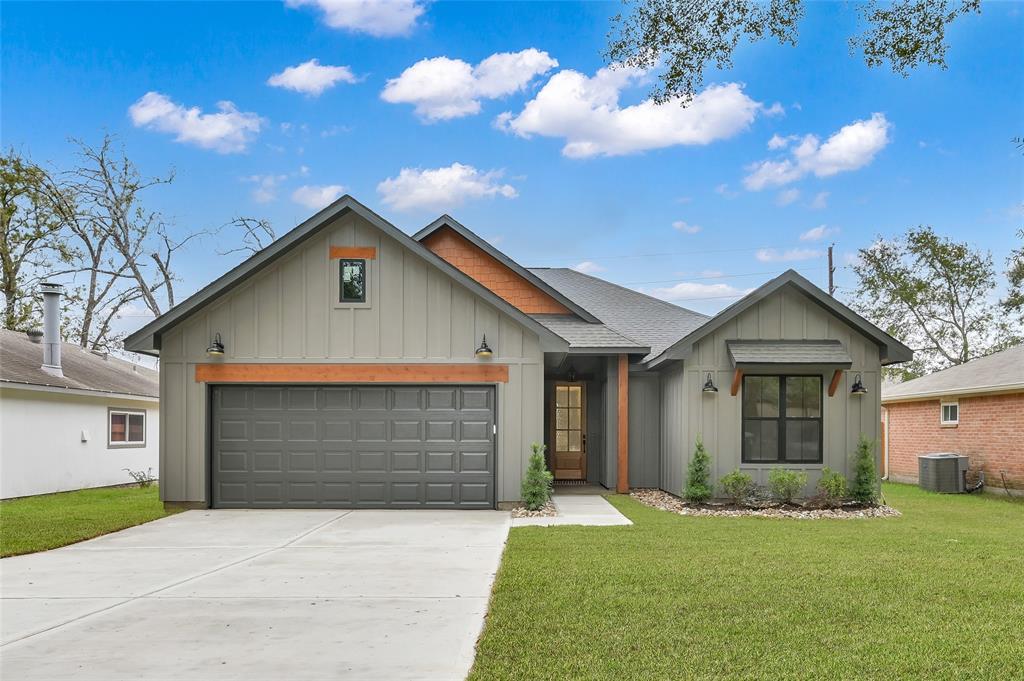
(559, 165)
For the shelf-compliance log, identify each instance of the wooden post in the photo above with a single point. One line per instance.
(622, 483)
(737, 380)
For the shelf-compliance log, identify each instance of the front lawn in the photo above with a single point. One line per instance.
(937, 593)
(51, 520)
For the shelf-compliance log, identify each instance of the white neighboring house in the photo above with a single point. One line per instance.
(73, 420)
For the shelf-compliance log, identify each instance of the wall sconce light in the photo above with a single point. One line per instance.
(709, 386)
(571, 374)
(484, 350)
(216, 348)
(858, 387)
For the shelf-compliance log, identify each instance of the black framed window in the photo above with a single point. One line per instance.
(353, 281)
(782, 419)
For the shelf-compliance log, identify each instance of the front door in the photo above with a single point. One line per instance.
(569, 431)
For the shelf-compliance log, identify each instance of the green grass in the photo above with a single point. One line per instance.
(937, 593)
(51, 520)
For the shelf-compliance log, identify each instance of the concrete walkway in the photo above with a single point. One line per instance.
(578, 509)
(256, 595)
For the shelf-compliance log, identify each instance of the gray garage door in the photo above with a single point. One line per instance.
(353, 447)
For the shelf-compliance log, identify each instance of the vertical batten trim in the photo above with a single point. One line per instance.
(622, 479)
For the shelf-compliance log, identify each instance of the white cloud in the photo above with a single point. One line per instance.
(443, 88)
(312, 77)
(723, 189)
(818, 233)
(316, 197)
(772, 255)
(585, 111)
(689, 290)
(820, 201)
(381, 18)
(266, 187)
(852, 147)
(777, 142)
(787, 196)
(588, 267)
(774, 110)
(228, 131)
(442, 188)
(685, 227)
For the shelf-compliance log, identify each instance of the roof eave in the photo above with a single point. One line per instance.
(954, 392)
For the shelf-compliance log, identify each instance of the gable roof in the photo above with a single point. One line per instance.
(648, 321)
(21, 363)
(583, 335)
(892, 350)
(147, 339)
(488, 248)
(998, 372)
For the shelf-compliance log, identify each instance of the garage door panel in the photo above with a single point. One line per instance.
(400, 447)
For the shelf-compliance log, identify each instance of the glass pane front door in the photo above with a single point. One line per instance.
(569, 430)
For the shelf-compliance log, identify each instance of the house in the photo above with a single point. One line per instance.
(70, 418)
(975, 409)
(349, 364)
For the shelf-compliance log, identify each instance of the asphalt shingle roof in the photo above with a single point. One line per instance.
(21, 361)
(581, 334)
(789, 352)
(1000, 370)
(648, 321)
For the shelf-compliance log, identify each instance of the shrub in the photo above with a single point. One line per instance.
(832, 485)
(536, 488)
(786, 485)
(698, 478)
(737, 485)
(865, 480)
(142, 478)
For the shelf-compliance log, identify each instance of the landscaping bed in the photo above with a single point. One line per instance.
(664, 501)
(548, 510)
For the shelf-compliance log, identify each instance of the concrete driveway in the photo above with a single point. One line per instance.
(257, 595)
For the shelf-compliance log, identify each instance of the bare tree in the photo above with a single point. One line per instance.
(257, 234)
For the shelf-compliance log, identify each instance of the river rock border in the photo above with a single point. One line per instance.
(656, 498)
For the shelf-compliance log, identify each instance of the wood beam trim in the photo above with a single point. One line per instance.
(622, 479)
(737, 379)
(351, 373)
(835, 382)
(364, 252)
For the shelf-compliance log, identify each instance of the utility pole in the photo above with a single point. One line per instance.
(831, 271)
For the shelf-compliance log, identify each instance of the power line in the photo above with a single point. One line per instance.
(718, 276)
(662, 254)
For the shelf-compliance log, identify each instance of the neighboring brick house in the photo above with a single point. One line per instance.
(975, 409)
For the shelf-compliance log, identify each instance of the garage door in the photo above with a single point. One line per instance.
(352, 446)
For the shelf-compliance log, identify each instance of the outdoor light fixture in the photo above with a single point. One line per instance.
(709, 385)
(216, 348)
(858, 387)
(571, 374)
(484, 350)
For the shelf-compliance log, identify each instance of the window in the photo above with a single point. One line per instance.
(782, 419)
(126, 428)
(950, 414)
(353, 281)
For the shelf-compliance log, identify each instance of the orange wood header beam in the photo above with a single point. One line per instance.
(835, 382)
(622, 482)
(364, 252)
(352, 373)
(737, 378)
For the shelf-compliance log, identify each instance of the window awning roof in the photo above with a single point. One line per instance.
(819, 352)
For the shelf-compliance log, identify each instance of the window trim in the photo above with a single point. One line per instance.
(340, 299)
(127, 444)
(781, 421)
(942, 413)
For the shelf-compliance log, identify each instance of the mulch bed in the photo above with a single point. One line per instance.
(548, 510)
(664, 501)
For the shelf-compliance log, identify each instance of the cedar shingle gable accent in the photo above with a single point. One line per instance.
(484, 268)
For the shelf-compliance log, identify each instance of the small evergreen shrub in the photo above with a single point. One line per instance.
(737, 486)
(698, 478)
(832, 486)
(786, 485)
(865, 480)
(536, 488)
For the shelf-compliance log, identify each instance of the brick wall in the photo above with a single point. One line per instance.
(990, 432)
(490, 272)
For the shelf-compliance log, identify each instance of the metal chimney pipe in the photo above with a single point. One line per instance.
(51, 328)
